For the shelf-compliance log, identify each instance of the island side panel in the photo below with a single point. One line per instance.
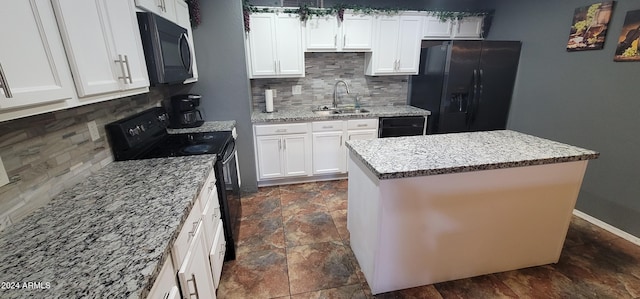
(444, 227)
(363, 215)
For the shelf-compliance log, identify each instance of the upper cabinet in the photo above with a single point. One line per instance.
(396, 46)
(163, 8)
(103, 45)
(467, 28)
(33, 66)
(328, 34)
(274, 46)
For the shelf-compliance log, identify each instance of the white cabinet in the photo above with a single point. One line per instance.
(468, 27)
(166, 283)
(396, 49)
(33, 65)
(327, 33)
(184, 21)
(216, 255)
(274, 46)
(163, 8)
(360, 129)
(103, 45)
(195, 274)
(328, 147)
(282, 150)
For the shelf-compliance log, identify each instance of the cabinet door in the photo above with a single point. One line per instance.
(289, 49)
(469, 27)
(216, 256)
(195, 274)
(261, 45)
(386, 44)
(89, 44)
(123, 25)
(435, 28)
(183, 19)
(328, 152)
(210, 218)
(165, 283)
(297, 154)
(32, 57)
(357, 32)
(269, 156)
(321, 33)
(409, 44)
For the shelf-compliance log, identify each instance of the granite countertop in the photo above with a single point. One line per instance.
(106, 237)
(305, 114)
(399, 157)
(208, 126)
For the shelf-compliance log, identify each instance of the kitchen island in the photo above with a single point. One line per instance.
(427, 209)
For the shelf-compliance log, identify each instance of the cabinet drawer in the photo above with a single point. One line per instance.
(321, 126)
(181, 246)
(208, 187)
(211, 217)
(281, 129)
(355, 124)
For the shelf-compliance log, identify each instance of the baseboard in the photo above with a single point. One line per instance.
(608, 227)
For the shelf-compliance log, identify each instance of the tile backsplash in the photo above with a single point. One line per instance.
(322, 72)
(44, 154)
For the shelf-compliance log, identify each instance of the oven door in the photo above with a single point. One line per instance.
(166, 48)
(228, 186)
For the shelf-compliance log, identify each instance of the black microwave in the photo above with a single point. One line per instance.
(166, 49)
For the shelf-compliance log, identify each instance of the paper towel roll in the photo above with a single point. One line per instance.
(268, 98)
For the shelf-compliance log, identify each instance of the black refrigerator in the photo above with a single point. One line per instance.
(467, 85)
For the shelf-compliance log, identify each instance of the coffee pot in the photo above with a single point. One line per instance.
(184, 112)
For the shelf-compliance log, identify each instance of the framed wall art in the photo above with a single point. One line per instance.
(627, 48)
(589, 27)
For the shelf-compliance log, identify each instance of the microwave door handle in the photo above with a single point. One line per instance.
(183, 38)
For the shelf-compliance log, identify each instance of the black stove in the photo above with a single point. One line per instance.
(144, 136)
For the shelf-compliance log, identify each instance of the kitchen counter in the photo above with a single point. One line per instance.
(208, 126)
(106, 237)
(434, 208)
(305, 114)
(390, 158)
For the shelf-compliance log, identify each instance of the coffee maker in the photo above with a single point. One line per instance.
(183, 111)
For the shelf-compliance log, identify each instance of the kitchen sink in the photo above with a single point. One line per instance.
(331, 111)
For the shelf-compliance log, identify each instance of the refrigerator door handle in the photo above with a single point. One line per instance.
(472, 99)
(476, 106)
(481, 86)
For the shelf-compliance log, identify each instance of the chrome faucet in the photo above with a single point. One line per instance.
(335, 92)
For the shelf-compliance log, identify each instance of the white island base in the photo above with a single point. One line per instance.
(422, 230)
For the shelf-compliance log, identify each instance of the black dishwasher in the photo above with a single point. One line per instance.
(401, 126)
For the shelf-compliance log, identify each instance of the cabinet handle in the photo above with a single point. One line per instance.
(222, 249)
(4, 84)
(192, 233)
(281, 130)
(335, 40)
(327, 127)
(195, 286)
(284, 145)
(275, 66)
(340, 140)
(123, 68)
(216, 214)
(166, 296)
(126, 62)
(361, 125)
(279, 69)
(160, 4)
(279, 144)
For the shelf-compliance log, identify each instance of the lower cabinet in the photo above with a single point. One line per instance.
(307, 149)
(282, 150)
(195, 275)
(197, 255)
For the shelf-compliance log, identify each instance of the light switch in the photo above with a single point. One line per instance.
(4, 179)
(93, 130)
(296, 89)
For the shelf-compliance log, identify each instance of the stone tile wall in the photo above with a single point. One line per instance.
(44, 154)
(322, 71)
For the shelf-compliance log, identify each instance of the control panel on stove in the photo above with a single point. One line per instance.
(138, 129)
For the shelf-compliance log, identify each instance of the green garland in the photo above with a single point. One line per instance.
(305, 12)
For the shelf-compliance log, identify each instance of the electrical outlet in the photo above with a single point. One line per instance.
(93, 130)
(296, 89)
(4, 179)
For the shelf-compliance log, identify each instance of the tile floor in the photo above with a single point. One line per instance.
(294, 244)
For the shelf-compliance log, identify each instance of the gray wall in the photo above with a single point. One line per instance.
(581, 98)
(223, 81)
